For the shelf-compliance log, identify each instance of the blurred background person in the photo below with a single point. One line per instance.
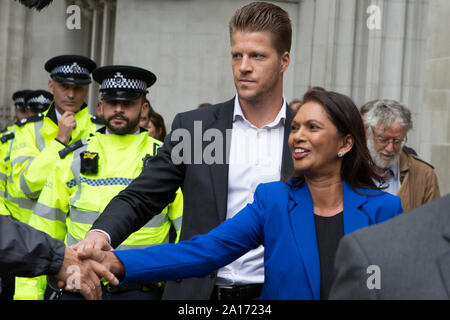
(204, 105)
(366, 107)
(145, 116)
(387, 124)
(38, 101)
(156, 126)
(295, 104)
(19, 103)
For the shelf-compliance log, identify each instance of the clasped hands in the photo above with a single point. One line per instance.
(86, 263)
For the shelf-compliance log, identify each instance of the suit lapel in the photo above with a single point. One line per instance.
(219, 172)
(354, 217)
(304, 230)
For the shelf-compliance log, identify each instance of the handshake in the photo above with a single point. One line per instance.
(86, 263)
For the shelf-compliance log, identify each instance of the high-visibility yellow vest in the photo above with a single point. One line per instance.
(34, 153)
(74, 197)
(5, 143)
(8, 203)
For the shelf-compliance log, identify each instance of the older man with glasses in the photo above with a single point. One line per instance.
(404, 174)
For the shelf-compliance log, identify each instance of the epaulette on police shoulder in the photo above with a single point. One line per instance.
(72, 147)
(98, 120)
(7, 137)
(35, 118)
(4, 130)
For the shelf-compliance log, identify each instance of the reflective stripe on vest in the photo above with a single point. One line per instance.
(177, 223)
(49, 213)
(39, 138)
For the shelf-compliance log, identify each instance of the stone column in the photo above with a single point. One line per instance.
(434, 121)
(13, 19)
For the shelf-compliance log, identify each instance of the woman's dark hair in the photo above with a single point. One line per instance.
(357, 168)
(158, 122)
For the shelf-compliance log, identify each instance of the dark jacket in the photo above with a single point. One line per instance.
(27, 252)
(204, 186)
(407, 257)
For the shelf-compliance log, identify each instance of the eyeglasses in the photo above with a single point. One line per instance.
(384, 141)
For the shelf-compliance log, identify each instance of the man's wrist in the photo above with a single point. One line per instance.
(108, 237)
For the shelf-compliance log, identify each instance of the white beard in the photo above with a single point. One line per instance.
(376, 155)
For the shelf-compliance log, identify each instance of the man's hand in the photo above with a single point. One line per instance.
(107, 258)
(93, 239)
(83, 276)
(66, 124)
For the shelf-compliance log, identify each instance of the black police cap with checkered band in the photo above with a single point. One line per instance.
(19, 99)
(71, 69)
(123, 82)
(38, 100)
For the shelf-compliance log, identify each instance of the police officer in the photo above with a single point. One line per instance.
(6, 136)
(30, 102)
(20, 105)
(94, 170)
(27, 103)
(38, 141)
(38, 101)
(19, 109)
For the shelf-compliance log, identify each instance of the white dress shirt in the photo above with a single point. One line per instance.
(58, 115)
(255, 157)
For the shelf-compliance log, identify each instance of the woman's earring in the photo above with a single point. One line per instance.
(340, 154)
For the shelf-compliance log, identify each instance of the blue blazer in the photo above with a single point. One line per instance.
(281, 218)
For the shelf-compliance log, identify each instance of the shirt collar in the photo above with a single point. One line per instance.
(238, 114)
(109, 132)
(394, 169)
(58, 115)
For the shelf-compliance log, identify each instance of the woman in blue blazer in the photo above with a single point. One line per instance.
(299, 221)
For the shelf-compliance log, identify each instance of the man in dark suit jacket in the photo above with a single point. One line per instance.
(211, 184)
(407, 257)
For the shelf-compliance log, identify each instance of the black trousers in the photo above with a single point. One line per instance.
(7, 288)
(147, 293)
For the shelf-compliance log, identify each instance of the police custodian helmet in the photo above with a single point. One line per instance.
(123, 82)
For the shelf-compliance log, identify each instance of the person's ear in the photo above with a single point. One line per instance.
(51, 86)
(144, 108)
(347, 145)
(285, 60)
(100, 108)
